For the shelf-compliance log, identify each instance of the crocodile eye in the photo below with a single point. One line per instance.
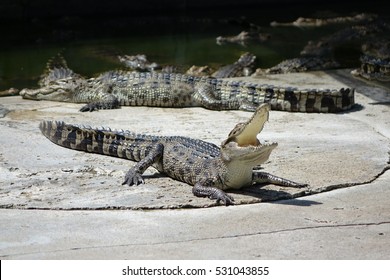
(237, 128)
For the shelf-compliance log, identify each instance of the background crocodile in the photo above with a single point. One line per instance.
(244, 66)
(375, 61)
(315, 22)
(208, 168)
(243, 38)
(118, 88)
(329, 51)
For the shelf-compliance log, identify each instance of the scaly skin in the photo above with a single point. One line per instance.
(242, 67)
(208, 168)
(375, 61)
(121, 88)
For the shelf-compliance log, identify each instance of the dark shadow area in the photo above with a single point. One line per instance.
(355, 108)
(296, 202)
(257, 191)
(377, 91)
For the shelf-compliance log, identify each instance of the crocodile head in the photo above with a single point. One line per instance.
(56, 90)
(58, 82)
(242, 147)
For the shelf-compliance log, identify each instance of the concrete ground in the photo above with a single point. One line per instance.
(61, 204)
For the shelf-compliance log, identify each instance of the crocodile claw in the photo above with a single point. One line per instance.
(221, 195)
(133, 178)
(89, 108)
(212, 193)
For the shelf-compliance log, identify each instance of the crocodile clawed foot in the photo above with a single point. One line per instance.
(89, 107)
(133, 178)
(212, 193)
(221, 195)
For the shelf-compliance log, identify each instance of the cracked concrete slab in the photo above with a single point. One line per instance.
(349, 223)
(327, 151)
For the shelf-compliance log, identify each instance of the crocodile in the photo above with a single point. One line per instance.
(302, 64)
(199, 71)
(242, 67)
(138, 62)
(243, 38)
(375, 62)
(322, 54)
(316, 22)
(122, 88)
(208, 168)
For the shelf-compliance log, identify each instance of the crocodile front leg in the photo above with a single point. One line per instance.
(107, 101)
(134, 175)
(200, 190)
(264, 177)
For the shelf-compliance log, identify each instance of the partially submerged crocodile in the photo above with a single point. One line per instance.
(243, 38)
(315, 22)
(321, 54)
(208, 168)
(120, 88)
(138, 62)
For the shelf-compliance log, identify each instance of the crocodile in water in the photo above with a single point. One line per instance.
(324, 53)
(208, 168)
(315, 22)
(121, 88)
(243, 38)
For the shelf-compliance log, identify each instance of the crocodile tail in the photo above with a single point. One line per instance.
(70, 136)
(123, 144)
(81, 138)
(56, 68)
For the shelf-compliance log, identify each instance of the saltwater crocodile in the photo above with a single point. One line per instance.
(120, 88)
(138, 62)
(243, 38)
(325, 53)
(242, 67)
(375, 61)
(300, 64)
(315, 22)
(208, 168)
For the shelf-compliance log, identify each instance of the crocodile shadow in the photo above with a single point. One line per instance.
(275, 196)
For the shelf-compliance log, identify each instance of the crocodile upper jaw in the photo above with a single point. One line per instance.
(242, 143)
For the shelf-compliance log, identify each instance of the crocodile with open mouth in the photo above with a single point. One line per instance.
(208, 168)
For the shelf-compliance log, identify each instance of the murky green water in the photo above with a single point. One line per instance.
(21, 66)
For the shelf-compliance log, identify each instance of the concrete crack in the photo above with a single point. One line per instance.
(203, 239)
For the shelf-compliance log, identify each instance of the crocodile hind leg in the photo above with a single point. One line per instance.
(264, 177)
(204, 95)
(200, 190)
(134, 175)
